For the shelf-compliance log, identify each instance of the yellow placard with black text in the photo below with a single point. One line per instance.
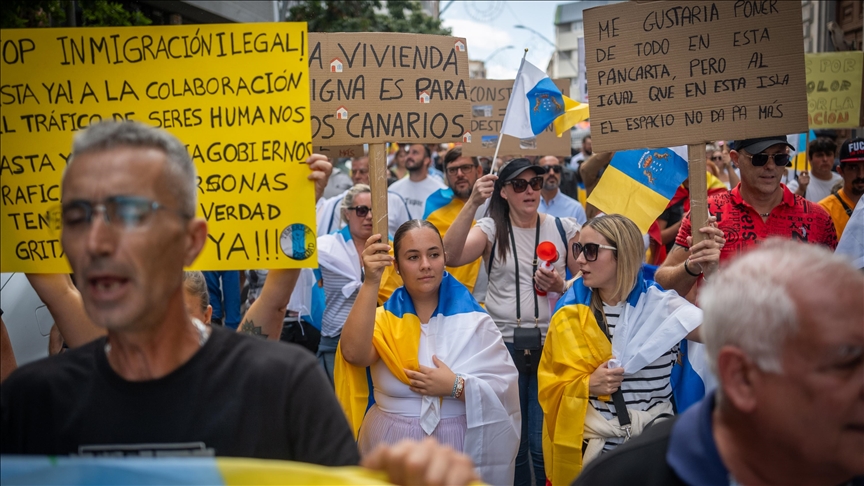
(237, 95)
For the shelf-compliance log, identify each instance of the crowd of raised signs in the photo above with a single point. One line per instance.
(511, 321)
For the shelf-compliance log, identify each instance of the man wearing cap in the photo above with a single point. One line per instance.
(840, 204)
(759, 207)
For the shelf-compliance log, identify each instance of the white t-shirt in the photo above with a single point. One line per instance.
(415, 193)
(818, 189)
(501, 293)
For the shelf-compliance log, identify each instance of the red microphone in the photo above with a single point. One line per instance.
(547, 254)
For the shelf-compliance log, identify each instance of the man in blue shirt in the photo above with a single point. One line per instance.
(553, 202)
(224, 289)
(789, 359)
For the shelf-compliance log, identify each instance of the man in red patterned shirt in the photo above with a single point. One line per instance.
(758, 208)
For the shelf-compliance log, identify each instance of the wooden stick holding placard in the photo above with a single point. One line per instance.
(378, 183)
(698, 190)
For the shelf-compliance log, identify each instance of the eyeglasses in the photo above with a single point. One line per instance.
(361, 211)
(521, 185)
(127, 212)
(717, 158)
(780, 160)
(552, 168)
(590, 250)
(466, 168)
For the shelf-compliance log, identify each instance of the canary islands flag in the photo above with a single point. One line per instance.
(639, 183)
(535, 103)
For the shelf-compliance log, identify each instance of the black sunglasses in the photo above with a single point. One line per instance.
(361, 211)
(590, 250)
(521, 185)
(780, 160)
(552, 168)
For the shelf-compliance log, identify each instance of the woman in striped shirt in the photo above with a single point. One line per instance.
(612, 331)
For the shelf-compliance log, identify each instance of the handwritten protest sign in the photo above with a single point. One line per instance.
(834, 89)
(662, 74)
(339, 152)
(388, 87)
(237, 95)
(489, 100)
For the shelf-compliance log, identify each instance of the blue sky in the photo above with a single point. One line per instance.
(488, 26)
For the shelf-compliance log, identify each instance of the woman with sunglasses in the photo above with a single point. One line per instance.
(340, 270)
(609, 313)
(521, 294)
(434, 359)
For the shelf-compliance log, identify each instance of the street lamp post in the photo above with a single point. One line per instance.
(538, 34)
(496, 51)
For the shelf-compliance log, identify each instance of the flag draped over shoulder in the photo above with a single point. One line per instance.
(210, 471)
(535, 103)
(653, 322)
(640, 183)
(468, 341)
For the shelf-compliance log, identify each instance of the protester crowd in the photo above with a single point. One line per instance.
(502, 318)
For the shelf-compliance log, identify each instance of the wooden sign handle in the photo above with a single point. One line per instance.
(378, 183)
(698, 190)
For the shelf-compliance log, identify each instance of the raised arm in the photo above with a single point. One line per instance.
(462, 243)
(7, 354)
(265, 315)
(64, 303)
(684, 264)
(356, 342)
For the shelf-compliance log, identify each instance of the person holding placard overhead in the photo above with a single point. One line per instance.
(758, 208)
(508, 240)
(419, 184)
(432, 356)
(606, 367)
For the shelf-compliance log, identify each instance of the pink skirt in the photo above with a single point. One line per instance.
(387, 428)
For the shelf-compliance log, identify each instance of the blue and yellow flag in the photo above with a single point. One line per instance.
(640, 183)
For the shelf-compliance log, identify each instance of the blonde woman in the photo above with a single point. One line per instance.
(609, 312)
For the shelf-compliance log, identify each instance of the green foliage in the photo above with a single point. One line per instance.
(52, 13)
(406, 16)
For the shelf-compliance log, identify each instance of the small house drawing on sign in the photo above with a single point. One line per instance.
(336, 65)
(424, 97)
(460, 46)
(466, 137)
(341, 113)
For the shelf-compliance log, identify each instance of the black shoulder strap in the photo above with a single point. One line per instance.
(618, 396)
(564, 239)
(845, 207)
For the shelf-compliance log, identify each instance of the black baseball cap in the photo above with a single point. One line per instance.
(757, 145)
(852, 151)
(516, 167)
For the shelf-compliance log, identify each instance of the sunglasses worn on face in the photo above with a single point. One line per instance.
(552, 168)
(780, 160)
(361, 211)
(521, 185)
(590, 250)
(718, 158)
(463, 168)
(125, 212)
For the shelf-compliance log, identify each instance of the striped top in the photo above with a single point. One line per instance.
(337, 306)
(643, 389)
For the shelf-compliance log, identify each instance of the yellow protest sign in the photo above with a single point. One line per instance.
(834, 89)
(236, 95)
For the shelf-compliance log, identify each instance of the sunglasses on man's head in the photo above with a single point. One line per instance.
(590, 250)
(521, 185)
(361, 211)
(780, 160)
(552, 168)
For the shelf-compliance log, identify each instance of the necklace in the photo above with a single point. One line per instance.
(203, 335)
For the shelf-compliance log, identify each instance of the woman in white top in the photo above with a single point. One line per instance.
(435, 359)
(521, 294)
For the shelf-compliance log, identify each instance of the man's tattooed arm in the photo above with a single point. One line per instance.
(249, 327)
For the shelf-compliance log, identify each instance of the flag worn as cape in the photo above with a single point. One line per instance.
(653, 322)
(441, 210)
(463, 336)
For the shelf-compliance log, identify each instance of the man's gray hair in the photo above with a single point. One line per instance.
(181, 170)
(750, 304)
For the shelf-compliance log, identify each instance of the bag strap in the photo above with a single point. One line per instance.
(618, 396)
(564, 239)
(845, 207)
